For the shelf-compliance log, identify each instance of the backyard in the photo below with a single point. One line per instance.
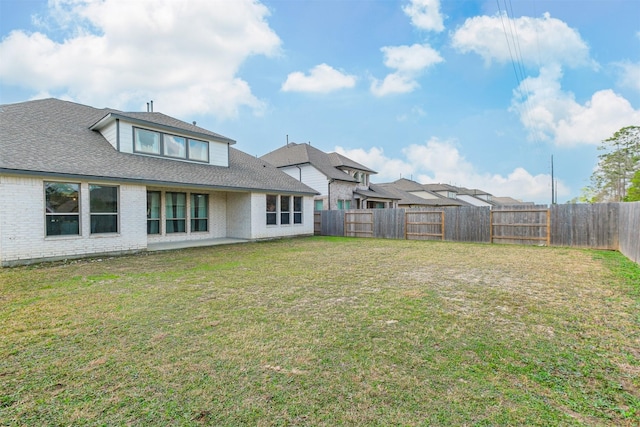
(324, 331)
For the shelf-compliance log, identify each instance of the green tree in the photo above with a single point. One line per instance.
(633, 194)
(613, 177)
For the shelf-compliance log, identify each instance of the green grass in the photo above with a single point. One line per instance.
(324, 331)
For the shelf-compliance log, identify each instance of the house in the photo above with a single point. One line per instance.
(420, 198)
(77, 180)
(434, 193)
(341, 182)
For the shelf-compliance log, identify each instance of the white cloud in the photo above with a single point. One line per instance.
(629, 73)
(439, 161)
(321, 79)
(183, 54)
(409, 62)
(549, 113)
(538, 41)
(425, 14)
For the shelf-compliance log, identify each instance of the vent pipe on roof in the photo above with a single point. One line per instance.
(287, 139)
(147, 107)
(151, 103)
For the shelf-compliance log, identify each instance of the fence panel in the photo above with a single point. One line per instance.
(629, 230)
(524, 225)
(332, 223)
(424, 225)
(388, 223)
(614, 226)
(358, 224)
(317, 223)
(467, 224)
(592, 226)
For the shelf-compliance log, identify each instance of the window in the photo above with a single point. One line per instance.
(146, 141)
(285, 210)
(103, 204)
(344, 204)
(318, 205)
(198, 150)
(153, 212)
(176, 212)
(62, 213)
(199, 212)
(272, 216)
(297, 210)
(174, 146)
(166, 145)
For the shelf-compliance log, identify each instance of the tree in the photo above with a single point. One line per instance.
(633, 194)
(616, 168)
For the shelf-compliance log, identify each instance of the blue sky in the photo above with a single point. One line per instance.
(478, 94)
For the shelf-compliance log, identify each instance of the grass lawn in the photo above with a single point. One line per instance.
(324, 331)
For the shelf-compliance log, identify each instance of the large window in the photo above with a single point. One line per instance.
(272, 207)
(153, 212)
(198, 150)
(199, 212)
(62, 213)
(103, 203)
(146, 141)
(281, 208)
(174, 146)
(167, 145)
(176, 212)
(297, 210)
(285, 210)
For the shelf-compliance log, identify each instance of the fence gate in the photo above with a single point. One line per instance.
(521, 226)
(358, 224)
(424, 225)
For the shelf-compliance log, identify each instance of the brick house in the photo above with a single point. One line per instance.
(341, 182)
(77, 180)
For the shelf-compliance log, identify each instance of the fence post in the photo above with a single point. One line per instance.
(549, 226)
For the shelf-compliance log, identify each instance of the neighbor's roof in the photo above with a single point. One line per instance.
(51, 137)
(406, 198)
(294, 154)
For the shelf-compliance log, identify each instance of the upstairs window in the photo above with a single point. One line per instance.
(166, 145)
(62, 213)
(103, 203)
(198, 150)
(174, 146)
(146, 141)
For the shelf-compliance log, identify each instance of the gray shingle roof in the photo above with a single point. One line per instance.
(51, 137)
(294, 154)
(406, 198)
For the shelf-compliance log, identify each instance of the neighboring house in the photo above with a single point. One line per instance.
(434, 193)
(509, 201)
(341, 182)
(77, 180)
(416, 199)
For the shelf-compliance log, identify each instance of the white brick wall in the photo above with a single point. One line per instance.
(260, 229)
(22, 223)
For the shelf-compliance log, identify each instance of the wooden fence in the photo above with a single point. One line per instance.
(614, 226)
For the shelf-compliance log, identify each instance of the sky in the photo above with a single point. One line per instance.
(478, 94)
